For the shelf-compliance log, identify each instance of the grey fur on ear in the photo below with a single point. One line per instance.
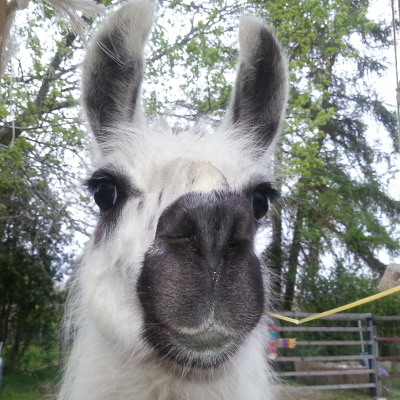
(261, 87)
(113, 68)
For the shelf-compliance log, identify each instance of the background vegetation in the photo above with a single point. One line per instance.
(337, 224)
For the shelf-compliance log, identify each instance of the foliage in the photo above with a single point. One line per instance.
(40, 136)
(343, 287)
(341, 213)
(187, 72)
(34, 380)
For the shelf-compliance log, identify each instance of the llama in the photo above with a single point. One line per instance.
(169, 300)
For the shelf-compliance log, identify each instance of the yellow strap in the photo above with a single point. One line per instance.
(293, 321)
(338, 309)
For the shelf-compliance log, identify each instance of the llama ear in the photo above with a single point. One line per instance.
(113, 68)
(260, 90)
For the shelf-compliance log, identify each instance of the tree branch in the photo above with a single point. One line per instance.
(8, 134)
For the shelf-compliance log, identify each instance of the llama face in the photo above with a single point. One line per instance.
(171, 271)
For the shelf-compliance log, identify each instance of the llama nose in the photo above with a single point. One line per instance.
(201, 268)
(208, 231)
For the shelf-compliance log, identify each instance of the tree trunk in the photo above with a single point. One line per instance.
(3, 14)
(290, 281)
(15, 349)
(4, 321)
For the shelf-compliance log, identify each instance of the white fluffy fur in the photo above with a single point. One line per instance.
(115, 363)
(110, 360)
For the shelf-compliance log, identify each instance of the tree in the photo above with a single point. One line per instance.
(346, 216)
(40, 136)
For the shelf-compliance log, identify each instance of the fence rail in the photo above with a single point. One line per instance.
(324, 358)
(387, 339)
(332, 387)
(333, 342)
(324, 373)
(323, 329)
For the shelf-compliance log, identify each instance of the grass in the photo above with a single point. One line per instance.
(23, 385)
(40, 384)
(391, 388)
(327, 395)
(390, 392)
(36, 378)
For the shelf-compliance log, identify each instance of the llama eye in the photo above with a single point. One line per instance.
(106, 195)
(263, 195)
(260, 204)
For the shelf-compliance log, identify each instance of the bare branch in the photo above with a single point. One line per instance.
(7, 134)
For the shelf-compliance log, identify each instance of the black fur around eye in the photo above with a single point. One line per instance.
(263, 195)
(260, 205)
(105, 195)
(110, 188)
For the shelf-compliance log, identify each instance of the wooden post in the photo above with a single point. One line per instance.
(373, 364)
(377, 367)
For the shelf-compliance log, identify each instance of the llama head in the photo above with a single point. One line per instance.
(171, 271)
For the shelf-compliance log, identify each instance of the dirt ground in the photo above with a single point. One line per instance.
(304, 395)
(324, 395)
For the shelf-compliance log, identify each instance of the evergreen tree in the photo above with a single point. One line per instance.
(341, 213)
